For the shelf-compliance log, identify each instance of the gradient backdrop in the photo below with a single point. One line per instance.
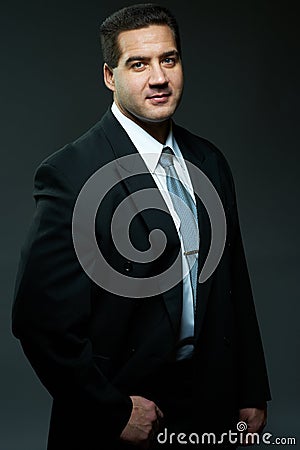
(242, 71)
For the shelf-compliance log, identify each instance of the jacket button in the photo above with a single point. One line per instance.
(227, 341)
(128, 266)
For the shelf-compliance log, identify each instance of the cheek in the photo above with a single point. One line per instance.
(176, 80)
(180, 80)
(129, 88)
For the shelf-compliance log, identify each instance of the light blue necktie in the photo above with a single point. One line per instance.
(187, 214)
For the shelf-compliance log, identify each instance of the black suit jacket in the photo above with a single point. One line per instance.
(92, 348)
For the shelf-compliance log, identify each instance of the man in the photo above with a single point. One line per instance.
(127, 370)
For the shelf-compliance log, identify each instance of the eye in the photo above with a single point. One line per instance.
(169, 61)
(138, 65)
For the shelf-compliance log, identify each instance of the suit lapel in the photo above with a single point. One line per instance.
(128, 169)
(121, 146)
(134, 174)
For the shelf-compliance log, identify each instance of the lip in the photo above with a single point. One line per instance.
(159, 98)
(162, 95)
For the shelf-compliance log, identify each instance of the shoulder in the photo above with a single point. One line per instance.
(78, 160)
(205, 149)
(78, 150)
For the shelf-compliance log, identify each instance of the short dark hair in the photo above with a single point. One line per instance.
(132, 18)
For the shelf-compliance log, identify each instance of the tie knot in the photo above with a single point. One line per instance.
(166, 158)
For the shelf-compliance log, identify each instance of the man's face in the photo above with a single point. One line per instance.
(148, 81)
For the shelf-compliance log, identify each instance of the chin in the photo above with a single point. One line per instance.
(157, 117)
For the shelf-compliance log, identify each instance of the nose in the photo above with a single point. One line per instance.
(158, 76)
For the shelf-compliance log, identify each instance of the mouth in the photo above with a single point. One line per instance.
(160, 98)
(161, 95)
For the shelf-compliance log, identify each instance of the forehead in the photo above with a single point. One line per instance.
(148, 41)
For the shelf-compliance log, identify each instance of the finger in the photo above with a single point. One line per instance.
(155, 426)
(159, 412)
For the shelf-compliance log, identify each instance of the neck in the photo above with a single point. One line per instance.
(158, 130)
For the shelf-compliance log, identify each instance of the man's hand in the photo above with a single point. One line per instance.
(143, 423)
(255, 418)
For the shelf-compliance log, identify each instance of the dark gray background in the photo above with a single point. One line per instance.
(242, 68)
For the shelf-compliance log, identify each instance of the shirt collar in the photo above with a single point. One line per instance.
(149, 148)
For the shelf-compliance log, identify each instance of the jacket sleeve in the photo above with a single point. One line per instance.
(253, 386)
(52, 309)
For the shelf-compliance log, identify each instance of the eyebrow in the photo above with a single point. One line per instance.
(144, 58)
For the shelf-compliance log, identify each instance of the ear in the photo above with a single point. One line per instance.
(108, 77)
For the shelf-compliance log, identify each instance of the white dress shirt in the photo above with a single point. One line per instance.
(150, 150)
